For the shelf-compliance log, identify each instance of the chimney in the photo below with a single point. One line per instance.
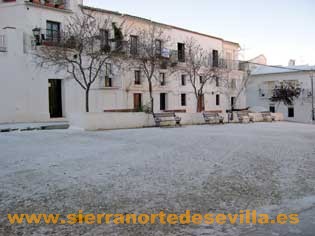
(291, 62)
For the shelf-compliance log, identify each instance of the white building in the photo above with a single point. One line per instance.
(265, 78)
(30, 93)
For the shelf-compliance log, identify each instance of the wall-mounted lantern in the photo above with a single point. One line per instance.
(36, 34)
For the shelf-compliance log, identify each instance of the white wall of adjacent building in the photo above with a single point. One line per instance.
(260, 90)
(24, 90)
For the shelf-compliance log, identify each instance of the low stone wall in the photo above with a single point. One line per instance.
(128, 120)
(110, 120)
(278, 116)
(195, 118)
(259, 118)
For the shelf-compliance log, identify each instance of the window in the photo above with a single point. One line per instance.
(162, 79)
(201, 79)
(108, 73)
(291, 112)
(104, 38)
(183, 99)
(217, 82)
(53, 31)
(181, 52)
(108, 81)
(137, 77)
(183, 80)
(158, 47)
(217, 99)
(272, 108)
(133, 45)
(215, 58)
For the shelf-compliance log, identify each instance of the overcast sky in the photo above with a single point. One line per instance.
(279, 29)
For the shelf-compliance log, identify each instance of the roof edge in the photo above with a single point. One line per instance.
(144, 19)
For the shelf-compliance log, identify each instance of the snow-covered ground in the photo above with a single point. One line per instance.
(206, 169)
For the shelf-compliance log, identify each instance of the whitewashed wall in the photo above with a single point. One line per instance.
(24, 86)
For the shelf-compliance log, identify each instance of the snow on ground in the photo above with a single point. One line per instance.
(205, 169)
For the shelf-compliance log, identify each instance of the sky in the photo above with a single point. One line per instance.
(279, 29)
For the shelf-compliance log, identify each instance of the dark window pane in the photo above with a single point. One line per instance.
(215, 58)
(162, 101)
(137, 77)
(181, 52)
(272, 109)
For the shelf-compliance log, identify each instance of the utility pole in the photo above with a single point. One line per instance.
(312, 91)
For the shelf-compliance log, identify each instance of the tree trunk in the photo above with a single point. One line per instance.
(87, 93)
(232, 109)
(200, 103)
(151, 96)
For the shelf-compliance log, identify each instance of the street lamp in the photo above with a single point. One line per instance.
(36, 33)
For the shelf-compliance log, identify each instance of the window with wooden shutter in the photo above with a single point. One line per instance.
(137, 77)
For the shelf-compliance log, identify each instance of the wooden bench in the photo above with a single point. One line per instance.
(267, 116)
(244, 116)
(165, 117)
(213, 117)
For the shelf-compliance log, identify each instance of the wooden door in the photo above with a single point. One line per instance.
(137, 101)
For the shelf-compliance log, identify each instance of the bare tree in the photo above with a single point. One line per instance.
(146, 52)
(82, 48)
(232, 84)
(199, 70)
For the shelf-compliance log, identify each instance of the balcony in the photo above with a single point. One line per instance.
(56, 4)
(46, 37)
(222, 63)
